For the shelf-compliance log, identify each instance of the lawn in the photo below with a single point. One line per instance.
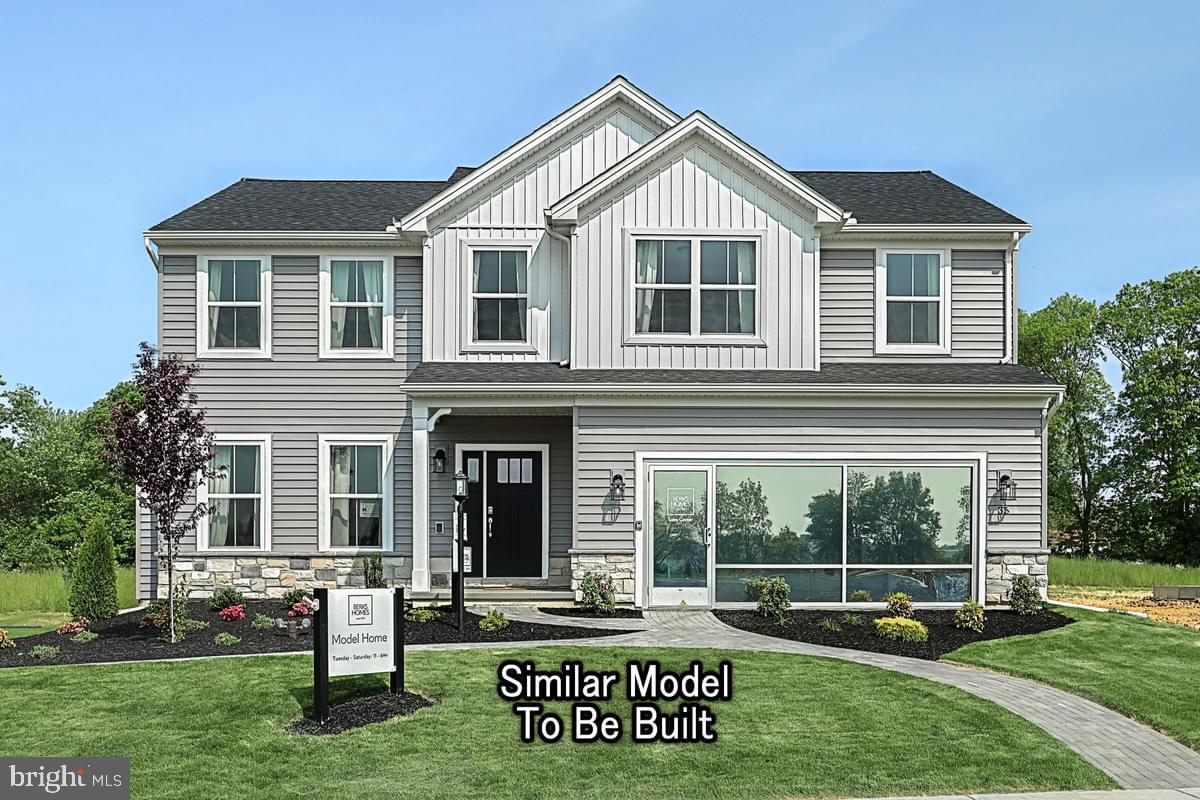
(1146, 670)
(796, 727)
(1065, 571)
(40, 599)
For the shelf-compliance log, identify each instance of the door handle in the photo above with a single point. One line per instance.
(489, 522)
(707, 536)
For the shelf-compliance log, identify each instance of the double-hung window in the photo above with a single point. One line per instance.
(238, 497)
(234, 308)
(356, 493)
(356, 307)
(695, 287)
(913, 298)
(499, 296)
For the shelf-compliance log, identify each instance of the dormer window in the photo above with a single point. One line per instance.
(912, 302)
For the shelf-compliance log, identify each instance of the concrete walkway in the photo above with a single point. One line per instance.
(1134, 755)
(1122, 794)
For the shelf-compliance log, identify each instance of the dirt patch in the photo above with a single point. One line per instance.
(1140, 600)
(359, 712)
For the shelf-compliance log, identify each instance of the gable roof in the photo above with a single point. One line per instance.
(906, 198)
(618, 87)
(696, 123)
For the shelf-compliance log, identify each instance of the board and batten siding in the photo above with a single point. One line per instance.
(511, 207)
(295, 396)
(694, 187)
(609, 438)
(978, 312)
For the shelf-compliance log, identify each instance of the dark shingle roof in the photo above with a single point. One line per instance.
(898, 198)
(256, 204)
(940, 374)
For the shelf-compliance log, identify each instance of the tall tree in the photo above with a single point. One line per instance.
(1062, 340)
(160, 443)
(1153, 330)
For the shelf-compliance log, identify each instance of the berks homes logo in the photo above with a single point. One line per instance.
(100, 778)
(360, 609)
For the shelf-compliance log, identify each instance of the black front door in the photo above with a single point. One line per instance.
(505, 509)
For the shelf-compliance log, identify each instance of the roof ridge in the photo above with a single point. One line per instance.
(247, 179)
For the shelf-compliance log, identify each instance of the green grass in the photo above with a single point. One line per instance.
(31, 623)
(796, 727)
(47, 591)
(1065, 571)
(1146, 670)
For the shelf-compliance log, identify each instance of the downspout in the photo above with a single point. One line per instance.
(1010, 294)
(553, 234)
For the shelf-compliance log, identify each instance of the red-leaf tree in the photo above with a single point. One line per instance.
(161, 444)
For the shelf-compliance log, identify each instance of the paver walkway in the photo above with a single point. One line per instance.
(1134, 755)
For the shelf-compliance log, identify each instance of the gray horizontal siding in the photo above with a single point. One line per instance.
(609, 438)
(294, 396)
(977, 306)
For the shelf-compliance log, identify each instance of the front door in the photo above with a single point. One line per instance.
(505, 513)
(681, 525)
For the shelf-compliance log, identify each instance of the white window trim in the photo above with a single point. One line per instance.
(881, 300)
(327, 351)
(695, 236)
(263, 440)
(324, 442)
(264, 294)
(467, 293)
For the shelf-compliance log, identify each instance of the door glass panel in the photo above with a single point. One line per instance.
(501, 470)
(680, 519)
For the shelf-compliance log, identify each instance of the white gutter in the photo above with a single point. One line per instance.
(160, 237)
(150, 252)
(830, 390)
(858, 227)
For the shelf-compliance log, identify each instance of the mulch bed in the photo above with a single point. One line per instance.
(122, 639)
(591, 613)
(805, 626)
(359, 712)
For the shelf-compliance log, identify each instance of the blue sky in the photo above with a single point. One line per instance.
(1080, 117)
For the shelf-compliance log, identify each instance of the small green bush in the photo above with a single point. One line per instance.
(83, 637)
(598, 592)
(494, 621)
(43, 652)
(187, 625)
(157, 614)
(373, 572)
(1024, 598)
(860, 596)
(225, 597)
(226, 639)
(899, 605)
(969, 617)
(94, 574)
(851, 619)
(773, 596)
(262, 622)
(421, 615)
(830, 624)
(902, 629)
(291, 598)
(6, 641)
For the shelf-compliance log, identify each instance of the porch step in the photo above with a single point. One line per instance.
(501, 594)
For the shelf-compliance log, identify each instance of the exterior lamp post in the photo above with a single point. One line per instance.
(460, 510)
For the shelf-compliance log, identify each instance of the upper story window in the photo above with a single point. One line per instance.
(356, 493)
(499, 295)
(695, 287)
(238, 498)
(356, 307)
(912, 291)
(234, 306)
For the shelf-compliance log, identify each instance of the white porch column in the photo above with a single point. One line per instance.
(420, 490)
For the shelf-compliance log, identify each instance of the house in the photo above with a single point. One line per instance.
(656, 353)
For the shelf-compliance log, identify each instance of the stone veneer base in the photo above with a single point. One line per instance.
(274, 576)
(617, 566)
(1003, 567)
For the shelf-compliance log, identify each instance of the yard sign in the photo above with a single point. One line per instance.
(356, 631)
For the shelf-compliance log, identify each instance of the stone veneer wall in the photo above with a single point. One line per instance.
(618, 566)
(270, 576)
(1003, 567)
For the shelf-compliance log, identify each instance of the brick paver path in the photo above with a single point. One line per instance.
(1135, 756)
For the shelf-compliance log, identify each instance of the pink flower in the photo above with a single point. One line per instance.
(233, 612)
(301, 609)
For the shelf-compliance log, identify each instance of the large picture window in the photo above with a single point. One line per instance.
(234, 307)
(695, 287)
(238, 497)
(912, 303)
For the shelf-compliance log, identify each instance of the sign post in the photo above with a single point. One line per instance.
(356, 631)
(459, 592)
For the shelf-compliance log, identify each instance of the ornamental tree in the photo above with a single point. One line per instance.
(160, 443)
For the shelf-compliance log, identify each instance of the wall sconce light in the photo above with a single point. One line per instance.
(616, 485)
(1006, 484)
(439, 461)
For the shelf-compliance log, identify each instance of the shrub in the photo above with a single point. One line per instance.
(969, 617)
(158, 614)
(301, 609)
(851, 619)
(899, 605)
(830, 624)
(231, 613)
(902, 629)
(94, 575)
(43, 652)
(598, 592)
(494, 621)
(262, 622)
(226, 639)
(187, 625)
(421, 615)
(6, 641)
(373, 572)
(773, 596)
(860, 596)
(225, 597)
(1024, 598)
(74, 626)
(83, 637)
(291, 598)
